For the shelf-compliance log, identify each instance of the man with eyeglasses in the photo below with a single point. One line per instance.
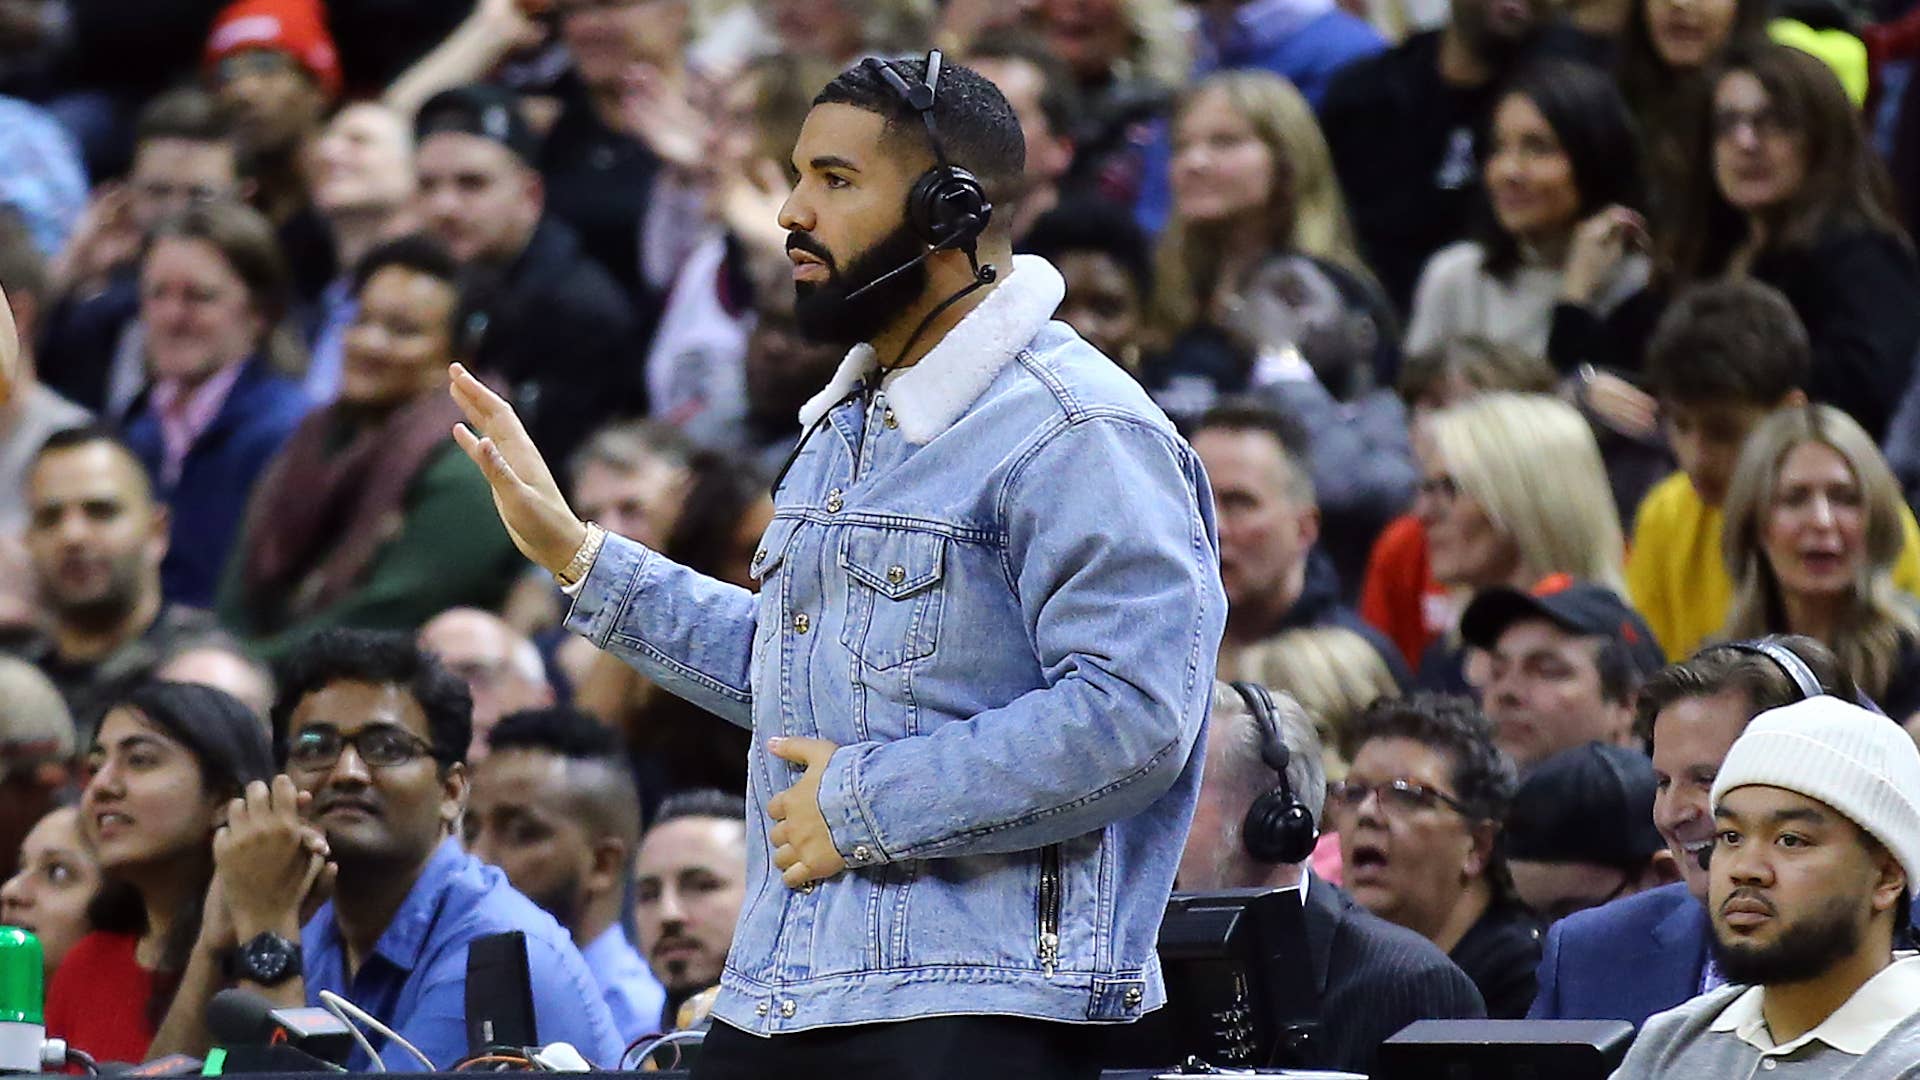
(1419, 816)
(183, 154)
(372, 732)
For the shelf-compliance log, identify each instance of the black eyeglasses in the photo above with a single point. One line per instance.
(382, 746)
(1402, 796)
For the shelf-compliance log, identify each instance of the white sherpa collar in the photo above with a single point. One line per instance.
(929, 396)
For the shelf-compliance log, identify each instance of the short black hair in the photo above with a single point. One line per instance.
(1590, 120)
(418, 252)
(700, 802)
(721, 489)
(1095, 226)
(602, 790)
(978, 129)
(558, 730)
(1736, 340)
(423, 253)
(87, 434)
(382, 658)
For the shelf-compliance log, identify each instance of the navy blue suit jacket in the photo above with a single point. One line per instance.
(1626, 960)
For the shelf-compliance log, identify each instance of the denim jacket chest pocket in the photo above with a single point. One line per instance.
(895, 593)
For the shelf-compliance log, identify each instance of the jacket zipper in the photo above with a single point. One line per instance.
(1049, 908)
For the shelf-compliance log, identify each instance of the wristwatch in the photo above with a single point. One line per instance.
(266, 959)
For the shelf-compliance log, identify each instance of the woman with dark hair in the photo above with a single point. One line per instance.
(163, 766)
(370, 516)
(1563, 181)
(1665, 66)
(214, 290)
(1786, 190)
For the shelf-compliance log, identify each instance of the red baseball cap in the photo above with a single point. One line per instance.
(295, 27)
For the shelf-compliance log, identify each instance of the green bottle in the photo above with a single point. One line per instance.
(22, 1001)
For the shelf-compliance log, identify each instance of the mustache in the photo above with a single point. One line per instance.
(799, 241)
(1748, 893)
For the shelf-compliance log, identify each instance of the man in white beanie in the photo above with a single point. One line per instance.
(1813, 869)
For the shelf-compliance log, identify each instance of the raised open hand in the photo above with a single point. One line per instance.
(536, 515)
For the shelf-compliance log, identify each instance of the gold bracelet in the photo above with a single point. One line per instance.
(569, 575)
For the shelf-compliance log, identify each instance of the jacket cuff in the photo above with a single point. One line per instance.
(598, 598)
(854, 834)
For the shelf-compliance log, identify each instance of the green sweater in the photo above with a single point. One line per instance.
(451, 551)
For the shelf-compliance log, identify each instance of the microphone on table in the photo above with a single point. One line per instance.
(257, 1035)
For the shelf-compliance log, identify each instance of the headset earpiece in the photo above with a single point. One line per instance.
(947, 207)
(1278, 827)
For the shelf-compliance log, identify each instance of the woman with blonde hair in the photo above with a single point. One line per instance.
(1251, 176)
(1512, 491)
(1252, 179)
(1334, 674)
(1811, 535)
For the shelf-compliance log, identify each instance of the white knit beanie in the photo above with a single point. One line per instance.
(1858, 762)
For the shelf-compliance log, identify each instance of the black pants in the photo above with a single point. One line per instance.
(937, 1048)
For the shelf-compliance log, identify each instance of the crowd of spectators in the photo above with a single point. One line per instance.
(1534, 354)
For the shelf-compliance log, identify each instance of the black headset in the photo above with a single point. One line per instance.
(1788, 661)
(1278, 828)
(947, 207)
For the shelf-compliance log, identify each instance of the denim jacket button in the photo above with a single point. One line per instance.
(889, 420)
(1132, 997)
(834, 502)
(788, 1008)
(760, 1009)
(862, 853)
(896, 574)
(802, 624)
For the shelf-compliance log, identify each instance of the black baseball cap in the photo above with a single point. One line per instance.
(1578, 607)
(489, 112)
(1591, 804)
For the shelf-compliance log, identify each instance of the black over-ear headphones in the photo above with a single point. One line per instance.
(1278, 827)
(947, 207)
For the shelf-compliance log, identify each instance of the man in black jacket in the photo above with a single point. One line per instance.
(1372, 977)
(540, 315)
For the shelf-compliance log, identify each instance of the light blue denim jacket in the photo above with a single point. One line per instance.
(995, 586)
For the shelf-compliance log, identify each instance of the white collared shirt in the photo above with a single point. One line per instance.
(1877, 1007)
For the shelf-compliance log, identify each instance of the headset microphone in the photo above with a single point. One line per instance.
(982, 275)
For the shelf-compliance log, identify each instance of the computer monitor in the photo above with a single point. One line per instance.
(1241, 989)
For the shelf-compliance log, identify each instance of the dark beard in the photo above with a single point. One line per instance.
(562, 901)
(826, 315)
(1806, 950)
(100, 614)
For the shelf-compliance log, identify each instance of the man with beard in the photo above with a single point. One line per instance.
(555, 807)
(1401, 127)
(975, 699)
(1813, 873)
(689, 882)
(95, 536)
(371, 732)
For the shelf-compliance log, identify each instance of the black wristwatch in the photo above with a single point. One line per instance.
(266, 959)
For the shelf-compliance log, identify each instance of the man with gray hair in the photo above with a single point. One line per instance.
(36, 753)
(1372, 978)
(502, 669)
